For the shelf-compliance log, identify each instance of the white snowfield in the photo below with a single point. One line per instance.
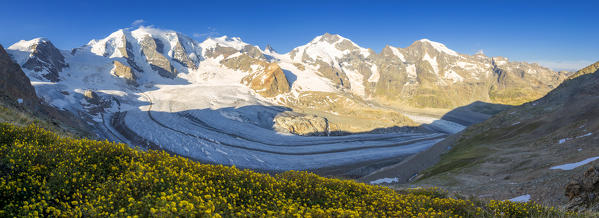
(206, 113)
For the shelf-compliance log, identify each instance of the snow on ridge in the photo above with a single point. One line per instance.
(440, 47)
(25, 45)
(571, 166)
(224, 41)
(111, 42)
(326, 51)
(397, 53)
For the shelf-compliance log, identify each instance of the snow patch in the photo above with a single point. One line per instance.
(572, 166)
(521, 198)
(432, 61)
(374, 77)
(585, 135)
(384, 180)
(452, 75)
(411, 70)
(356, 81)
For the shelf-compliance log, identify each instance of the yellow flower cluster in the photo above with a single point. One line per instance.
(42, 174)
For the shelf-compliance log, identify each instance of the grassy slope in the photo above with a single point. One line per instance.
(10, 113)
(44, 174)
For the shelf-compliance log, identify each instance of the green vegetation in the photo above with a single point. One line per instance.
(43, 174)
(513, 96)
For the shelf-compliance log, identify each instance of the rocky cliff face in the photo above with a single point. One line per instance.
(152, 49)
(14, 84)
(42, 58)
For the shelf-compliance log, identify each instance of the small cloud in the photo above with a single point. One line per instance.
(210, 33)
(137, 22)
(564, 65)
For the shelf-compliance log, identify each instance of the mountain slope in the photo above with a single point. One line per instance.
(523, 150)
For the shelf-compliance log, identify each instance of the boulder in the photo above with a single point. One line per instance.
(301, 124)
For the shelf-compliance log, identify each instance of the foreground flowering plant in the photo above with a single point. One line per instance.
(42, 174)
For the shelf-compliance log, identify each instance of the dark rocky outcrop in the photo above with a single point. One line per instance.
(583, 191)
(14, 84)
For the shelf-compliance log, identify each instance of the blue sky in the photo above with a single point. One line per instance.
(558, 34)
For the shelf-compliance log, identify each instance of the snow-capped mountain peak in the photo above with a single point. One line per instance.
(26, 45)
(327, 48)
(40, 56)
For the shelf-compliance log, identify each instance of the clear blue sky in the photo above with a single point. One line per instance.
(559, 34)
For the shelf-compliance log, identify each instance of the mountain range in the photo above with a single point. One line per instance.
(156, 87)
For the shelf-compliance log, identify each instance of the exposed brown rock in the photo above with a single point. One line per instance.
(124, 72)
(270, 82)
(220, 50)
(91, 96)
